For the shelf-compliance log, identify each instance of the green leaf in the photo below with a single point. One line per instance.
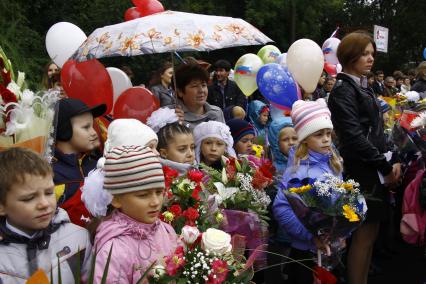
(92, 267)
(105, 274)
(59, 272)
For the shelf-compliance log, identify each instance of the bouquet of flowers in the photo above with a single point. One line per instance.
(241, 184)
(186, 201)
(26, 119)
(330, 208)
(203, 258)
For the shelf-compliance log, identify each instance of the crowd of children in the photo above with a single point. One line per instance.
(116, 188)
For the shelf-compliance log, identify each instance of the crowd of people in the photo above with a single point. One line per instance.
(47, 214)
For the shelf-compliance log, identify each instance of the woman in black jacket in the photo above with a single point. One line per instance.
(358, 124)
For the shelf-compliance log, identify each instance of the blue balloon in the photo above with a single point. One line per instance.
(424, 53)
(277, 85)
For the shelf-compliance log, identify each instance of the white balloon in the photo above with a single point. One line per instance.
(329, 49)
(305, 61)
(120, 81)
(62, 40)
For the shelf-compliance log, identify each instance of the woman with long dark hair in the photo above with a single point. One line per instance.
(358, 123)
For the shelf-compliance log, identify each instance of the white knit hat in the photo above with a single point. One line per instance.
(213, 129)
(132, 168)
(309, 117)
(126, 131)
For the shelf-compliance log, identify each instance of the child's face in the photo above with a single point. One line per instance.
(31, 204)
(263, 117)
(84, 137)
(243, 146)
(180, 149)
(144, 206)
(287, 139)
(319, 141)
(212, 150)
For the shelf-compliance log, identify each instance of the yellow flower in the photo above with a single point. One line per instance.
(350, 214)
(301, 189)
(168, 216)
(219, 217)
(347, 186)
(195, 40)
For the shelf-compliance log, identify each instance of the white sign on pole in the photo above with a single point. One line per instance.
(381, 35)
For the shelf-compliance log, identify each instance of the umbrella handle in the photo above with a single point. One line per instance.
(319, 260)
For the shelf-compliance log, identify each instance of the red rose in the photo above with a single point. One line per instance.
(169, 175)
(176, 210)
(195, 175)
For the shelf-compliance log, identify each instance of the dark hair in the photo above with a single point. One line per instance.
(47, 82)
(185, 73)
(379, 72)
(370, 75)
(156, 77)
(222, 63)
(15, 163)
(352, 47)
(168, 132)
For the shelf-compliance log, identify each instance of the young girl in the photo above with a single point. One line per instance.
(313, 157)
(259, 116)
(132, 232)
(281, 137)
(243, 134)
(212, 140)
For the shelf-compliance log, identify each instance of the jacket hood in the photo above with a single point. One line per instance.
(254, 112)
(120, 224)
(279, 159)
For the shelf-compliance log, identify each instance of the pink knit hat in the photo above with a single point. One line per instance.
(309, 117)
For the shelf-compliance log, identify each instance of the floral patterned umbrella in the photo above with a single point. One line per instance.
(169, 31)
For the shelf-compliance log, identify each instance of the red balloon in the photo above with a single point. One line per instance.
(136, 102)
(330, 69)
(148, 7)
(133, 13)
(88, 81)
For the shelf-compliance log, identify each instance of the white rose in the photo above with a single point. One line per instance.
(190, 234)
(216, 241)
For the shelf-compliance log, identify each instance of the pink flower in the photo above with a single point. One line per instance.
(175, 262)
(219, 272)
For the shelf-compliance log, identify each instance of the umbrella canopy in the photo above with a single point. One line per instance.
(167, 32)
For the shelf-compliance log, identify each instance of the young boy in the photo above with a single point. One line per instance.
(34, 233)
(76, 140)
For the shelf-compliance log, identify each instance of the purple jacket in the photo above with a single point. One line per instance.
(135, 247)
(314, 167)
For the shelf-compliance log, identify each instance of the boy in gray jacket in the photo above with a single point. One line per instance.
(34, 233)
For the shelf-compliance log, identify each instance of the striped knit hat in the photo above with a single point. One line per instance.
(309, 117)
(132, 168)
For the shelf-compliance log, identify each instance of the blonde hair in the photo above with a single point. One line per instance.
(302, 154)
(238, 111)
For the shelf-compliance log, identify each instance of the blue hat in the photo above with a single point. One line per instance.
(239, 128)
(384, 106)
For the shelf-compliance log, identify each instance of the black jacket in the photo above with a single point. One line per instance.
(358, 123)
(419, 86)
(233, 96)
(378, 88)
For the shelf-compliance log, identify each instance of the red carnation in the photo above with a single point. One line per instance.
(169, 175)
(195, 175)
(176, 210)
(191, 215)
(196, 193)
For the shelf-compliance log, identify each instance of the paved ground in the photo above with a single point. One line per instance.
(406, 266)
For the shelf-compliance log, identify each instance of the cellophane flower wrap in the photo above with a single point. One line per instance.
(330, 206)
(26, 118)
(186, 201)
(206, 257)
(241, 184)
